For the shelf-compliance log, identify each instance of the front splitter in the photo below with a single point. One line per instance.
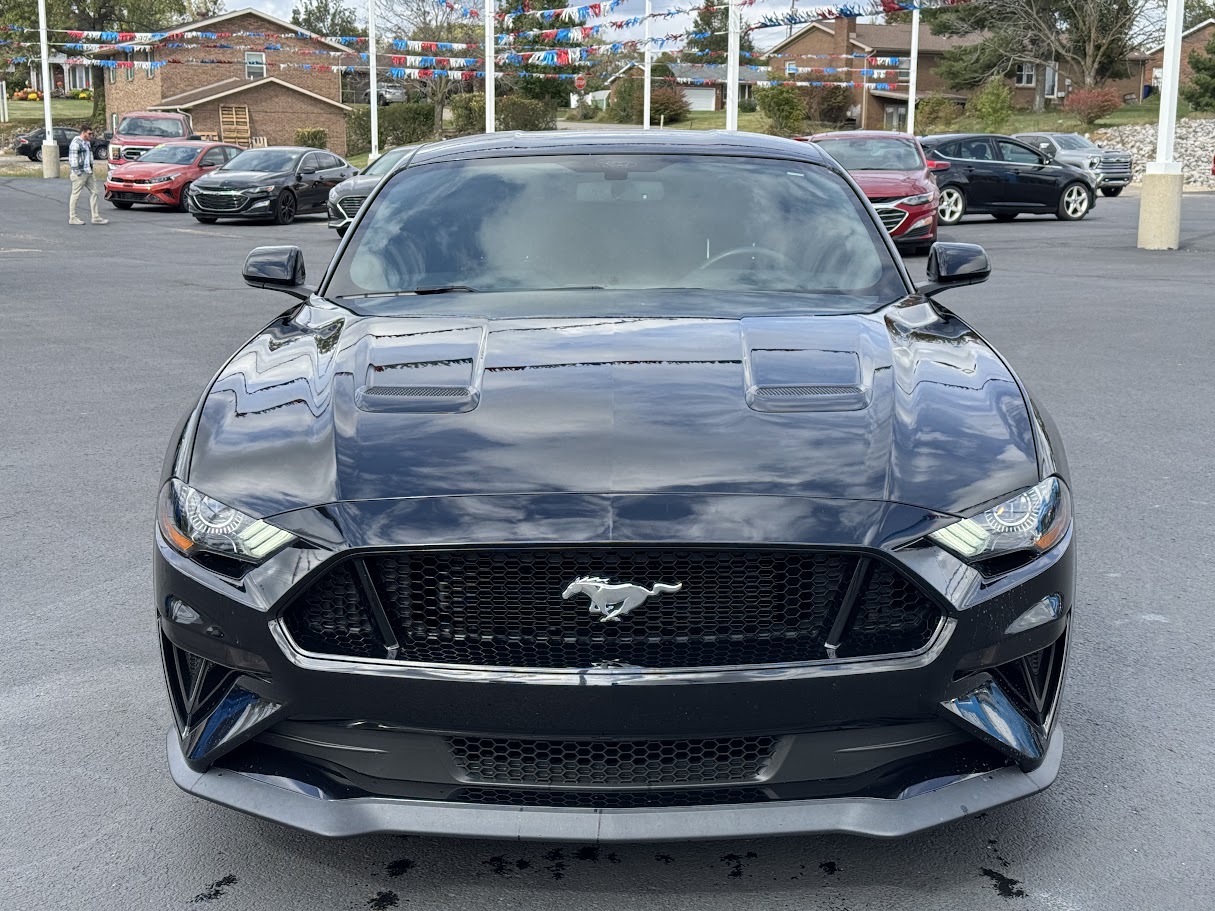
(873, 817)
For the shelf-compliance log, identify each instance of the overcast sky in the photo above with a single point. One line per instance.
(763, 38)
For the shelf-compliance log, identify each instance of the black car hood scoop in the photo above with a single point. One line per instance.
(795, 372)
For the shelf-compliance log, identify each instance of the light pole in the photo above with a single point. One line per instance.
(375, 85)
(646, 69)
(1160, 205)
(490, 74)
(915, 69)
(732, 70)
(50, 148)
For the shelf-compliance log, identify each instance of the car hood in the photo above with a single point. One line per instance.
(357, 186)
(147, 171)
(888, 184)
(907, 405)
(229, 180)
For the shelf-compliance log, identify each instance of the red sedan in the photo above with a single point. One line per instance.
(161, 177)
(892, 171)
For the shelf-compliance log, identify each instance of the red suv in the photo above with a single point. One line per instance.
(896, 177)
(140, 131)
(161, 176)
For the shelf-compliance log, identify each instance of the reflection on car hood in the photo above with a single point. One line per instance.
(885, 184)
(230, 180)
(356, 186)
(146, 171)
(614, 405)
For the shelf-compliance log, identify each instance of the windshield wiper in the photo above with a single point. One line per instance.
(440, 289)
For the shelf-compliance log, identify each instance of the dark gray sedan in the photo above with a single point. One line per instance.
(346, 198)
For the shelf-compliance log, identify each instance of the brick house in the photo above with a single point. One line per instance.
(877, 108)
(1193, 39)
(265, 76)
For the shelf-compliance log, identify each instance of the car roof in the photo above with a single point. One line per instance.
(575, 142)
(945, 137)
(861, 134)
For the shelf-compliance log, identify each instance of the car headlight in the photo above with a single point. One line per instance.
(1033, 520)
(1094, 164)
(921, 200)
(257, 191)
(164, 179)
(333, 195)
(191, 522)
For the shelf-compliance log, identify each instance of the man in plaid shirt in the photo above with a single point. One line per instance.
(80, 163)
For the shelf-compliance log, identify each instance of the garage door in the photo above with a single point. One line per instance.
(701, 98)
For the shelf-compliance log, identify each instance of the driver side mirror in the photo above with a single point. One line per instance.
(955, 265)
(278, 269)
(1045, 149)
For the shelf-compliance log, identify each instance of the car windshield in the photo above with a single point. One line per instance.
(170, 155)
(873, 154)
(168, 127)
(1073, 141)
(613, 223)
(264, 160)
(386, 162)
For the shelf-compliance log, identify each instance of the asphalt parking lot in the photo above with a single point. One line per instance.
(108, 335)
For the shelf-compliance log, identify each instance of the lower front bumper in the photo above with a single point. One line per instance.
(289, 802)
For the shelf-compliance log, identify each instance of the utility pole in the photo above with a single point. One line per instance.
(647, 69)
(732, 69)
(50, 148)
(375, 92)
(490, 74)
(1160, 205)
(915, 69)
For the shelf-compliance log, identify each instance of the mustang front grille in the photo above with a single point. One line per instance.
(607, 762)
(350, 205)
(720, 607)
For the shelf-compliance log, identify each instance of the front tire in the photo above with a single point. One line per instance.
(183, 201)
(952, 206)
(206, 219)
(37, 156)
(119, 204)
(1074, 202)
(341, 232)
(284, 209)
(1111, 192)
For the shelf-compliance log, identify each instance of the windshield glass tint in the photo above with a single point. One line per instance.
(618, 222)
(264, 160)
(1073, 142)
(152, 126)
(385, 162)
(170, 155)
(873, 154)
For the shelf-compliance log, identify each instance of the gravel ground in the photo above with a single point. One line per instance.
(110, 332)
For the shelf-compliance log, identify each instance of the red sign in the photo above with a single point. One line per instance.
(580, 82)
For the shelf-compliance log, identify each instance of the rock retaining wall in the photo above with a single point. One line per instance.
(1194, 147)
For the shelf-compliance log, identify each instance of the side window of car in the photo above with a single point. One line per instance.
(975, 150)
(329, 162)
(309, 163)
(1017, 153)
(213, 158)
(949, 150)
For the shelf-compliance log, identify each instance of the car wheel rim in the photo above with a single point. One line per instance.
(1075, 201)
(288, 207)
(951, 205)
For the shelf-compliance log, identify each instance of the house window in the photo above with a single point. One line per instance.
(151, 69)
(1051, 80)
(895, 117)
(130, 71)
(255, 65)
(1157, 76)
(1026, 76)
(111, 74)
(790, 68)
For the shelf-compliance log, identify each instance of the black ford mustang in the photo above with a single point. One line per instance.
(615, 487)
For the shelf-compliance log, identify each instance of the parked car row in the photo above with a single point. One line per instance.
(30, 144)
(916, 185)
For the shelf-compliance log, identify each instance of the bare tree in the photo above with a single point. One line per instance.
(426, 20)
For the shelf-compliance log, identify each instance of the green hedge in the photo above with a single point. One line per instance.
(515, 113)
(468, 113)
(316, 139)
(399, 124)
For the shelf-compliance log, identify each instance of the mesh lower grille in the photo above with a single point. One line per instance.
(592, 762)
(505, 608)
(218, 202)
(609, 800)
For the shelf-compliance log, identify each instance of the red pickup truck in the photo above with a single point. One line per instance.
(140, 131)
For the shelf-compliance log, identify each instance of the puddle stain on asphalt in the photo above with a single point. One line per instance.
(400, 867)
(829, 867)
(736, 863)
(215, 890)
(556, 857)
(1006, 886)
(664, 858)
(504, 867)
(383, 899)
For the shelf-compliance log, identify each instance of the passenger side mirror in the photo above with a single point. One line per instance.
(955, 265)
(938, 165)
(279, 269)
(194, 137)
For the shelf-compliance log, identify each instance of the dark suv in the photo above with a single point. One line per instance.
(1003, 177)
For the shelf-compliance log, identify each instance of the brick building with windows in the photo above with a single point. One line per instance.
(261, 89)
(877, 108)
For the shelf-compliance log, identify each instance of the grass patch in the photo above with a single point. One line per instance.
(1057, 120)
(63, 111)
(359, 161)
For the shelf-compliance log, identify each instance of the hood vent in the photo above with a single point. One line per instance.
(417, 399)
(808, 398)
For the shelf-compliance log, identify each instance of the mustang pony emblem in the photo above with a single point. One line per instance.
(610, 601)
